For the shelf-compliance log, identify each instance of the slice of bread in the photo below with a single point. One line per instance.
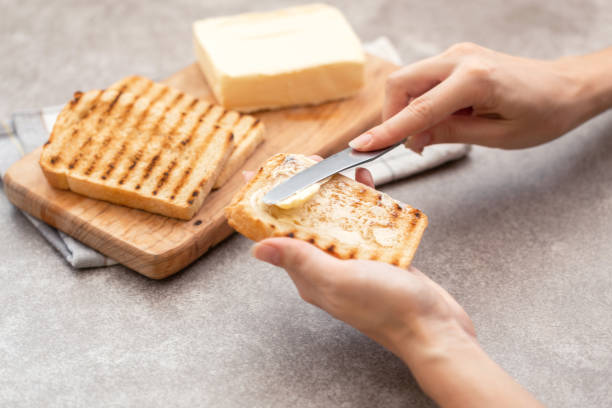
(140, 144)
(345, 218)
(248, 134)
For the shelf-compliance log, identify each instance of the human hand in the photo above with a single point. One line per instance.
(470, 94)
(404, 311)
(393, 306)
(407, 313)
(400, 309)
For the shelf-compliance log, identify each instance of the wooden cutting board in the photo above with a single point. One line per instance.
(158, 246)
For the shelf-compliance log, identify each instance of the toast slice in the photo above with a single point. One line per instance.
(248, 134)
(345, 218)
(140, 144)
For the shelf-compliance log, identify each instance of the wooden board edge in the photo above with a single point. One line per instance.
(152, 265)
(165, 268)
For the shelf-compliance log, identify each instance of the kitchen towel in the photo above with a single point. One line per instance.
(29, 129)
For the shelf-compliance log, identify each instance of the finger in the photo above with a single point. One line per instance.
(458, 91)
(463, 129)
(247, 175)
(315, 157)
(310, 268)
(412, 81)
(364, 176)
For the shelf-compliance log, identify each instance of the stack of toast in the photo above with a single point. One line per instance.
(148, 146)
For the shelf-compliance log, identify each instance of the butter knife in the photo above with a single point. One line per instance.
(336, 163)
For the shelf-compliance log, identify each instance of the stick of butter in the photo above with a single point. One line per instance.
(302, 55)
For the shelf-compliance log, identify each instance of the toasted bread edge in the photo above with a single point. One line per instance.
(241, 153)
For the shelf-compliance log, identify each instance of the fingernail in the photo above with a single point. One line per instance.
(267, 253)
(419, 151)
(361, 141)
(417, 143)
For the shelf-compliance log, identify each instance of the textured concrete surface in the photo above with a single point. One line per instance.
(521, 239)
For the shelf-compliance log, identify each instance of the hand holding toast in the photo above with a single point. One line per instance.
(404, 311)
(392, 306)
(470, 94)
(407, 313)
(351, 290)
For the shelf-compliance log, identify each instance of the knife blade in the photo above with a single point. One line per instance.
(343, 160)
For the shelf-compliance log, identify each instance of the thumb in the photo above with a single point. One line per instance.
(310, 268)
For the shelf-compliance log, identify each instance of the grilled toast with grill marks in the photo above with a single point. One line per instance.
(140, 144)
(248, 134)
(345, 218)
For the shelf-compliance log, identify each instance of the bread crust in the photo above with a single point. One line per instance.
(245, 146)
(345, 218)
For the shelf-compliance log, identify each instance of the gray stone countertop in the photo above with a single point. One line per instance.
(522, 239)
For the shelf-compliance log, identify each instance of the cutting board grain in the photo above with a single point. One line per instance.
(158, 246)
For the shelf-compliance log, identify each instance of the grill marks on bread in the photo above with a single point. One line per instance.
(141, 144)
(103, 128)
(189, 125)
(248, 134)
(140, 153)
(115, 121)
(156, 128)
(83, 107)
(138, 136)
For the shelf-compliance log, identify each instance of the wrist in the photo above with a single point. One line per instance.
(452, 368)
(589, 84)
(435, 352)
(432, 342)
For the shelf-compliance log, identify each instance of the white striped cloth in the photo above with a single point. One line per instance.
(27, 131)
(30, 129)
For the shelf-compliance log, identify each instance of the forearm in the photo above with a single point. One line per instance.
(454, 371)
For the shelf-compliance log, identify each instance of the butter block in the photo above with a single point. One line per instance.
(302, 55)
